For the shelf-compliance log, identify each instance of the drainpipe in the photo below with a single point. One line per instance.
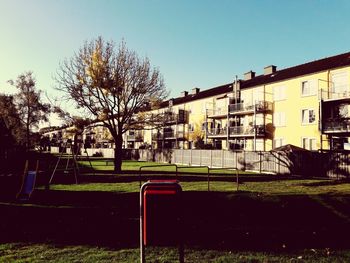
(254, 123)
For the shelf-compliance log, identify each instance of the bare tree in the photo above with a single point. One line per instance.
(114, 85)
(77, 122)
(28, 102)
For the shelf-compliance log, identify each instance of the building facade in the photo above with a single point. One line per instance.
(307, 105)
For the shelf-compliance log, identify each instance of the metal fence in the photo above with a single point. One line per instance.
(252, 161)
(305, 163)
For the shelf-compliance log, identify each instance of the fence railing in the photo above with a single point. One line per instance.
(252, 161)
(259, 106)
(336, 125)
(323, 164)
(341, 92)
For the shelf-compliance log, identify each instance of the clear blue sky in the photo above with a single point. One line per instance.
(194, 43)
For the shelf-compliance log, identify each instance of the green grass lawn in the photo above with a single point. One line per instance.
(107, 165)
(20, 252)
(270, 219)
(285, 187)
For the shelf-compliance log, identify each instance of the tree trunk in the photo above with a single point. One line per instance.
(27, 138)
(118, 156)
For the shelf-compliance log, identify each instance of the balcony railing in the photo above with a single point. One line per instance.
(172, 117)
(260, 106)
(168, 135)
(217, 132)
(258, 130)
(216, 112)
(135, 137)
(336, 126)
(330, 95)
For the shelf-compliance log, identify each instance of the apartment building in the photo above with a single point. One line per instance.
(307, 105)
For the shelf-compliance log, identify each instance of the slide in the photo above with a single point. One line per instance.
(27, 187)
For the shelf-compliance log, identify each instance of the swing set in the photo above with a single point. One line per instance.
(71, 162)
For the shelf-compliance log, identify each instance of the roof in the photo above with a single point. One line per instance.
(279, 75)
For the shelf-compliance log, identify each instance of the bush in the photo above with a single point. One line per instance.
(97, 154)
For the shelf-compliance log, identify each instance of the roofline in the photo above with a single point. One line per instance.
(305, 69)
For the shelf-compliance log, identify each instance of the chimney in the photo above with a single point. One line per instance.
(249, 75)
(195, 91)
(236, 89)
(184, 93)
(269, 69)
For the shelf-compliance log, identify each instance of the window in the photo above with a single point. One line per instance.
(190, 127)
(279, 93)
(340, 82)
(278, 142)
(309, 143)
(308, 116)
(308, 88)
(279, 119)
(259, 145)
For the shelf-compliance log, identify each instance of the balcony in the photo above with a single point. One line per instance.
(336, 126)
(247, 131)
(157, 136)
(168, 135)
(136, 137)
(217, 132)
(217, 113)
(175, 118)
(258, 107)
(341, 93)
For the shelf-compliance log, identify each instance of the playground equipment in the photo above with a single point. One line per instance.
(160, 215)
(28, 182)
(71, 155)
(179, 168)
(149, 166)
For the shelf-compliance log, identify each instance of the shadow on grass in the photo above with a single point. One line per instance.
(212, 220)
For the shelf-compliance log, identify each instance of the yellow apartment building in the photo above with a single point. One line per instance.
(307, 105)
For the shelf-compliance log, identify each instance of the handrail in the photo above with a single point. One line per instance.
(201, 166)
(160, 165)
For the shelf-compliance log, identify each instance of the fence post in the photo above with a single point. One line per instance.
(236, 159)
(211, 158)
(260, 161)
(182, 161)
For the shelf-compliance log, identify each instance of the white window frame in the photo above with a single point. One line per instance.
(282, 141)
(311, 85)
(311, 143)
(302, 114)
(279, 93)
(279, 119)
